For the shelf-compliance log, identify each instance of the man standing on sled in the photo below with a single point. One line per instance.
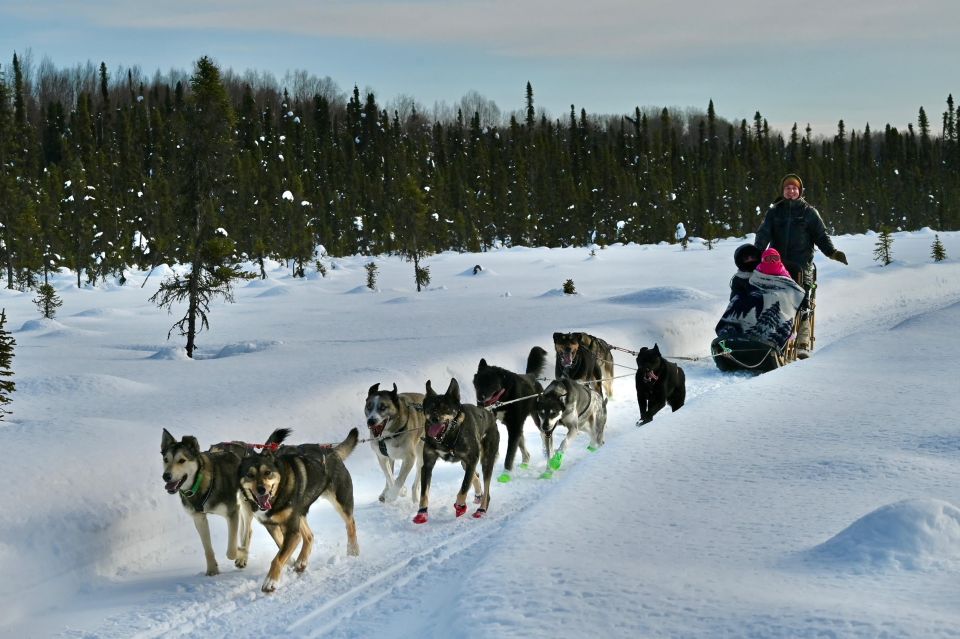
(793, 227)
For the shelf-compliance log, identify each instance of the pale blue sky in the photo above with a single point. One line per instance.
(818, 61)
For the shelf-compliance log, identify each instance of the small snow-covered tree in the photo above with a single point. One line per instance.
(882, 251)
(47, 300)
(937, 252)
(371, 275)
(7, 385)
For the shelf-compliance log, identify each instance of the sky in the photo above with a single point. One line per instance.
(820, 499)
(814, 62)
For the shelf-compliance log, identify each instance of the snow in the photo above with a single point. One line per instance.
(821, 499)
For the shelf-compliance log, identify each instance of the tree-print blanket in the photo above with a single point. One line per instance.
(762, 308)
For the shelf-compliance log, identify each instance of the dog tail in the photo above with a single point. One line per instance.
(279, 436)
(536, 361)
(344, 448)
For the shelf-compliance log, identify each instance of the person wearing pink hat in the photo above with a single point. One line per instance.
(793, 227)
(770, 264)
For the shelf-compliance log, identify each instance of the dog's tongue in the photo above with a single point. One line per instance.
(172, 486)
(435, 430)
(566, 359)
(377, 429)
(263, 501)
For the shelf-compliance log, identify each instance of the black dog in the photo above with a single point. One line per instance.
(494, 384)
(659, 382)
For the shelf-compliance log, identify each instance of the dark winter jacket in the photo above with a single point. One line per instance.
(793, 227)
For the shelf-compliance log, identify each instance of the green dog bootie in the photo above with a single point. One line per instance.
(504, 478)
(592, 449)
(547, 474)
(524, 465)
(556, 460)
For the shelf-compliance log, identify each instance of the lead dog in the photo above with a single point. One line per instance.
(457, 432)
(279, 487)
(396, 428)
(574, 406)
(659, 382)
(207, 484)
(495, 386)
(583, 357)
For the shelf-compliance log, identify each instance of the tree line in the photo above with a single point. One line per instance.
(99, 174)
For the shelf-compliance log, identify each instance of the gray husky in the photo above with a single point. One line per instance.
(577, 407)
(396, 428)
(207, 484)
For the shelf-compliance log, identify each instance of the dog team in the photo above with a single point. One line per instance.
(278, 484)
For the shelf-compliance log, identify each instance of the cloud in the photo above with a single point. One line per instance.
(542, 28)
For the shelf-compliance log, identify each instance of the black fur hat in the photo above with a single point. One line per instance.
(746, 257)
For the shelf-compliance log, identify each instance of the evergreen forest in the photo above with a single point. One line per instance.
(101, 171)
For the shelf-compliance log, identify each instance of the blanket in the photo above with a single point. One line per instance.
(762, 308)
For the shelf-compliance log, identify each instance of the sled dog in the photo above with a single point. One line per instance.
(396, 426)
(659, 382)
(583, 357)
(457, 432)
(207, 484)
(575, 406)
(279, 487)
(494, 384)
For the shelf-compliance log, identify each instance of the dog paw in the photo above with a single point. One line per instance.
(269, 585)
(524, 465)
(353, 550)
(504, 478)
(480, 512)
(213, 570)
(300, 566)
(421, 517)
(460, 509)
(231, 554)
(592, 448)
(478, 499)
(547, 474)
(556, 460)
(241, 561)
(382, 498)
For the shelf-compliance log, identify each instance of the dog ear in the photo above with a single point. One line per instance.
(279, 435)
(430, 391)
(656, 348)
(373, 389)
(394, 395)
(167, 441)
(557, 336)
(190, 442)
(483, 364)
(453, 390)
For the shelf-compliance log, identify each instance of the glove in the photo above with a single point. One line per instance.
(839, 256)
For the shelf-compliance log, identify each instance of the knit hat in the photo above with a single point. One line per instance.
(746, 257)
(791, 178)
(770, 264)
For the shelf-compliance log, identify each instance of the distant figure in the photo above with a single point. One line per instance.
(477, 269)
(794, 227)
(681, 235)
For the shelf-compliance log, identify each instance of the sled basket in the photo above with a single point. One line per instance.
(740, 354)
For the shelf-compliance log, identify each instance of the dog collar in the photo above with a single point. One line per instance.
(196, 485)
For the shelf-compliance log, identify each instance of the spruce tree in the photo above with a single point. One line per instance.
(7, 386)
(47, 300)
(937, 252)
(206, 246)
(882, 251)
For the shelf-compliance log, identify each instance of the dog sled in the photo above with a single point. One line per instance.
(757, 330)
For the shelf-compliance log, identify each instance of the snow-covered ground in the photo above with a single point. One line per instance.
(817, 500)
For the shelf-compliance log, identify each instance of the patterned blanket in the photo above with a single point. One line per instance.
(762, 308)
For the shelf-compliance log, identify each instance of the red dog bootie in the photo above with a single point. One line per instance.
(421, 517)
(479, 513)
(460, 509)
